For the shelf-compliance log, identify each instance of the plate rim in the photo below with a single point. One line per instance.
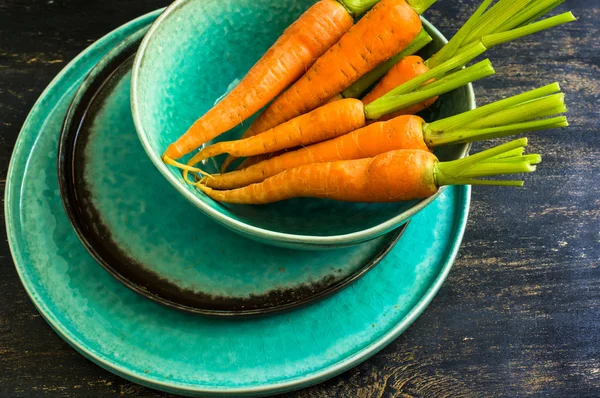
(266, 235)
(189, 388)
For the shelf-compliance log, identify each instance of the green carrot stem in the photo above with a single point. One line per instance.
(494, 169)
(358, 7)
(530, 110)
(510, 154)
(496, 183)
(389, 100)
(420, 6)
(388, 104)
(466, 118)
(455, 167)
(532, 159)
(495, 18)
(528, 14)
(466, 170)
(440, 71)
(361, 85)
(465, 136)
(457, 40)
(495, 39)
(500, 38)
(550, 7)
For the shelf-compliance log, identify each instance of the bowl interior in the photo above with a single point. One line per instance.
(196, 55)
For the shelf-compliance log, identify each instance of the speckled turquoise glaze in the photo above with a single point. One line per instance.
(194, 54)
(189, 354)
(161, 235)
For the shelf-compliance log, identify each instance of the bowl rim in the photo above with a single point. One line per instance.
(267, 235)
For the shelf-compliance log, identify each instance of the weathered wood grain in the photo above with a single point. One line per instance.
(519, 314)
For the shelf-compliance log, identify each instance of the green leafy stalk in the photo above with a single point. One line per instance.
(437, 72)
(457, 40)
(358, 7)
(550, 7)
(500, 38)
(529, 14)
(392, 103)
(510, 154)
(472, 135)
(495, 18)
(466, 118)
(492, 169)
(420, 6)
(466, 171)
(530, 110)
(533, 159)
(361, 85)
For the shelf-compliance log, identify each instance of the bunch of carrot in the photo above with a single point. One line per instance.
(507, 20)
(375, 149)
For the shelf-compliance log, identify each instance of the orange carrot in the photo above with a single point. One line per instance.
(362, 143)
(510, 116)
(384, 31)
(405, 70)
(394, 176)
(293, 53)
(329, 121)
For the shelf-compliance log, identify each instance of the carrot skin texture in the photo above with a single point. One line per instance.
(324, 123)
(405, 70)
(259, 158)
(389, 27)
(389, 177)
(405, 132)
(310, 36)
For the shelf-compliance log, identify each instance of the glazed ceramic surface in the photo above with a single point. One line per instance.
(190, 354)
(153, 240)
(195, 53)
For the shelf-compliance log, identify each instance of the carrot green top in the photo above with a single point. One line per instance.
(492, 162)
(507, 20)
(447, 79)
(358, 7)
(521, 113)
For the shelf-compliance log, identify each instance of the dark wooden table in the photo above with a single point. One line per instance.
(519, 314)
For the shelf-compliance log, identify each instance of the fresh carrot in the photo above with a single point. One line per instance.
(309, 37)
(329, 121)
(358, 88)
(411, 67)
(507, 20)
(515, 115)
(395, 176)
(389, 27)
(324, 122)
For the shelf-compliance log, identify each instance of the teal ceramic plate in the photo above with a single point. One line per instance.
(186, 353)
(157, 243)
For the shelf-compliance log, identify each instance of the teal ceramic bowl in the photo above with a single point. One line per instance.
(195, 52)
